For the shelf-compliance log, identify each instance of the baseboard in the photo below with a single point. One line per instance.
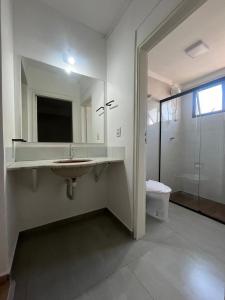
(64, 221)
(13, 254)
(81, 217)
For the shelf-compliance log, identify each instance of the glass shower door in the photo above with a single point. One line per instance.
(212, 155)
(180, 151)
(212, 166)
(193, 149)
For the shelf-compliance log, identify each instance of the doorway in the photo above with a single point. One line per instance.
(182, 12)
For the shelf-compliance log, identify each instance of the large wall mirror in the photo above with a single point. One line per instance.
(58, 107)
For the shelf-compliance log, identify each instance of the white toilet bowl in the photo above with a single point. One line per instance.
(157, 199)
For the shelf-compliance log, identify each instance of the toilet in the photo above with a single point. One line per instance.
(157, 199)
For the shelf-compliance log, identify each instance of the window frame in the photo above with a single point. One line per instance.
(195, 94)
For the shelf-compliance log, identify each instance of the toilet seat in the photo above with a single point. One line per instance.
(157, 187)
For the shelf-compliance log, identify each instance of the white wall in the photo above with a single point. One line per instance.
(143, 16)
(8, 221)
(8, 66)
(152, 134)
(49, 203)
(44, 34)
(158, 91)
(3, 212)
(96, 94)
(172, 155)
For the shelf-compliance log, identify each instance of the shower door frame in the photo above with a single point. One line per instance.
(192, 90)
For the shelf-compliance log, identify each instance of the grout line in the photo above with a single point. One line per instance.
(152, 296)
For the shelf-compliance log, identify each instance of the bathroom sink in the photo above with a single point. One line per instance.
(72, 171)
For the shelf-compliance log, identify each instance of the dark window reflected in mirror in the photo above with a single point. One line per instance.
(54, 120)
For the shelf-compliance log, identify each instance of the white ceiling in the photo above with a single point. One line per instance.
(168, 58)
(100, 15)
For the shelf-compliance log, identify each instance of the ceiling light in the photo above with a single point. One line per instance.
(68, 58)
(71, 60)
(197, 49)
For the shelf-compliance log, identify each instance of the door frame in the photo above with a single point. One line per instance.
(174, 19)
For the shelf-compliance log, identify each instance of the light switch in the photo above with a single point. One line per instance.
(118, 132)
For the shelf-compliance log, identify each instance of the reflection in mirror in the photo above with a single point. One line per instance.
(60, 107)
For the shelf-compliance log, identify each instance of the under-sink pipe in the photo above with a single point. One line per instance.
(70, 188)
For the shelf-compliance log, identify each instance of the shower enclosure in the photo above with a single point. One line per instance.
(192, 148)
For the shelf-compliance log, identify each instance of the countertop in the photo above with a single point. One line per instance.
(40, 164)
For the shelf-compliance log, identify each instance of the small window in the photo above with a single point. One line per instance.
(209, 100)
(54, 120)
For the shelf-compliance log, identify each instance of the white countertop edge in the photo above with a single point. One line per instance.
(37, 164)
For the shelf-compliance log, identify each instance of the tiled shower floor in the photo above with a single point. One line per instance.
(208, 207)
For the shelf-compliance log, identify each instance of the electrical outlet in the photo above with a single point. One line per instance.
(118, 132)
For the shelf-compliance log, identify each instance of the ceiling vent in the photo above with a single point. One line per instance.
(197, 49)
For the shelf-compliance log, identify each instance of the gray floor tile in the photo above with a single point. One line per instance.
(198, 230)
(169, 274)
(64, 263)
(179, 268)
(122, 285)
(97, 259)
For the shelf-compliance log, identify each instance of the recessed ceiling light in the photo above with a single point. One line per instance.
(197, 49)
(68, 58)
(71, 60)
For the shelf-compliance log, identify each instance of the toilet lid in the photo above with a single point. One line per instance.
(157, 187)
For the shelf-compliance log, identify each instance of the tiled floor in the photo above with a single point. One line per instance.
(208, 207)
(97, 260)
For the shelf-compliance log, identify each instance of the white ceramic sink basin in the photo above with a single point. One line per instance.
(72, 168)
